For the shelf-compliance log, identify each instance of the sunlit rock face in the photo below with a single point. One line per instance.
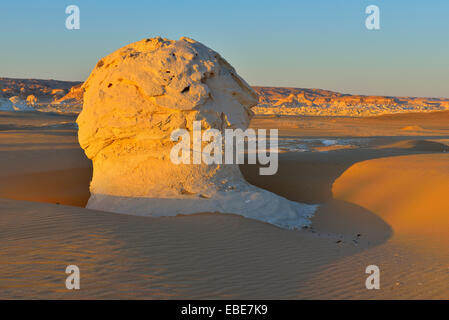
(16, 103)
(31, 100)
(134, 99)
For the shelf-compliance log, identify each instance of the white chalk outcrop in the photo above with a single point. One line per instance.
(31, 100)
(134, 99)
(14, 103)
(73, 98)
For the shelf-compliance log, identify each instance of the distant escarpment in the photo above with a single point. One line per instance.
(317, 102)
(40, 95)
(67, 96)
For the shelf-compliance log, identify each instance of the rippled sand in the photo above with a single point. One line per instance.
(226, 256)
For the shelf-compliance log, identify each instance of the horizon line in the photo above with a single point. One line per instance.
(266, 86)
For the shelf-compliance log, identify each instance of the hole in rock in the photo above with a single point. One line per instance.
(186, 89)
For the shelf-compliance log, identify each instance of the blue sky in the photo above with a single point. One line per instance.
(311, 44)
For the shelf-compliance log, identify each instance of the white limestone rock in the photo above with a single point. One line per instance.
(31, 100)
(14, 103)
(134, 99)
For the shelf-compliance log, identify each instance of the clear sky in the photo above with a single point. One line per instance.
(298, 43)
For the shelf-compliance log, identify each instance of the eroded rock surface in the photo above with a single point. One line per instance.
(134, 99)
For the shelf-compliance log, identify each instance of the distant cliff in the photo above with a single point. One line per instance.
(67, 96)
(44, 90)
(295, 101)
(41, 95)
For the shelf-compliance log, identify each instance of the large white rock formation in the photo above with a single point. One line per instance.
(134, 99)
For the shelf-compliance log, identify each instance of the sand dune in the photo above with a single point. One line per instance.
(408, 192)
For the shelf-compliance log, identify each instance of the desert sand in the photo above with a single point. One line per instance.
(380, 182)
